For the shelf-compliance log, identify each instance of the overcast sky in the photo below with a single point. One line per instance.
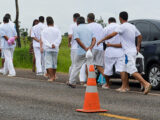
(63, 10)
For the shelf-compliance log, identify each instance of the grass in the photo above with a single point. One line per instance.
(23, 59)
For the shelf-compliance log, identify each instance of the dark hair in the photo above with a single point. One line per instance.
(49, 21)
(76, 15)
(124, 15)
(111, 20)
(80, 20)
(41, 19)
(8, 15)
(6, 19)
(35, 21)
(91, 16)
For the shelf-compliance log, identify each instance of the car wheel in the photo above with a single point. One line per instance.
(154, 76)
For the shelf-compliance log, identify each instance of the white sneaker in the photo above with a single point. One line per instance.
(10, 75)
(40, 74)
(2, 70)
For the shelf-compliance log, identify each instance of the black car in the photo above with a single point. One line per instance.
(150, 48)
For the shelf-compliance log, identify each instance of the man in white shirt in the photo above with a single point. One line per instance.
(71, 42)
(7, 32)
(128, 33)
(114, 53)
(36, 36)
(51, 39)
(2, 54)
(98, 53)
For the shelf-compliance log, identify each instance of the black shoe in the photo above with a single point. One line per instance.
(71, 85)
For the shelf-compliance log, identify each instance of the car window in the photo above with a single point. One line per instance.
(155, 33)
(144, 28)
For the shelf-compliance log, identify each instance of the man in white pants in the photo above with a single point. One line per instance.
(128, 33)
(71, 42)
(51, 39)
(36, 36)
(8, 31)
(98, 53)
(86, 40)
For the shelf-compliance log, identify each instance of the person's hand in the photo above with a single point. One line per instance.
(108, 45)
(41, 49)
(99, 43)
(138, 49)
(53, 46)
(86, 49)
(69, 45)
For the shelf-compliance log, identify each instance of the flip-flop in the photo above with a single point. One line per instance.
(147, 89)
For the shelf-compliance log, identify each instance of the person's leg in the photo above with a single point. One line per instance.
(80, 60)
(43, 62)
(9, 61)
(3, 60)
(34, 63)
(38, 59)
(146, 84)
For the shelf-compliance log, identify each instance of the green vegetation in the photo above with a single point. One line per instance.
(23, 59)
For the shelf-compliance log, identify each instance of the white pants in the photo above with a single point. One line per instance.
(39, 60)
(8, 64)
(73, 59)
(80, 60)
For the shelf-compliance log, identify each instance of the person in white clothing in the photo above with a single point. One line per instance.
(114, 53)
(51, 39)
(128, 33)
(36, 36)
(71, 42)
(98, 53)
(2, 54)
(7, 32)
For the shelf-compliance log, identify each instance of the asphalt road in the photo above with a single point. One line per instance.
(36, 99)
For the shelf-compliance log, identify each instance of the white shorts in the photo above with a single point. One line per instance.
(110, 62)
(98, 57)
(130, 67)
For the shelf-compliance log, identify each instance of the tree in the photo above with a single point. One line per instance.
(17, 23)
(101, 21)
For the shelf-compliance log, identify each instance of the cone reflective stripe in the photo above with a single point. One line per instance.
(91, 102)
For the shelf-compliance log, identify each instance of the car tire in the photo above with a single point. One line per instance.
(154, 76)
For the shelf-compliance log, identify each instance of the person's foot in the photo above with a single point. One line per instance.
(39, 74)
(51, 80)
(105, 86)
(11, 75)
(71, 85)
(46, 75)
(121, 90)
(2, 70)
(147, 89)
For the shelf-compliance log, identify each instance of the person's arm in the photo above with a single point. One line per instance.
(107, 37)
(139, 40)
(5, 37)
(81, 44)
(69, 40)
(58, 40)
(114, 45)
(92, 43)
(34, 38)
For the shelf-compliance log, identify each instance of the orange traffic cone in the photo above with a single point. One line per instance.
(91, 102)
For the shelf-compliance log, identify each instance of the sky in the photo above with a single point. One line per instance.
(63, 10)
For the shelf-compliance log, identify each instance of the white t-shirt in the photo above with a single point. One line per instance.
(97, 30)
(128, 33)
(51, 35)
(70, 32)
(36, 32)
(112, 51)
(9, 31)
